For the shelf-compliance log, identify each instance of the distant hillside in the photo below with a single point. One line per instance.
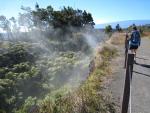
(124, 24)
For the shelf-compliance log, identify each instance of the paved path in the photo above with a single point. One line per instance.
(140, 94)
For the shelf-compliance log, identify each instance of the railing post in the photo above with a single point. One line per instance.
(126, 95)
(126, 50)
(125, 61)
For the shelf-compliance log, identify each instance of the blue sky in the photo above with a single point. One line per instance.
(102, 10)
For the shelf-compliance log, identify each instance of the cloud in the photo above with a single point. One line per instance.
(100, 21)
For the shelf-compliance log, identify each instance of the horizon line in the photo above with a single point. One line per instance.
(109, 22)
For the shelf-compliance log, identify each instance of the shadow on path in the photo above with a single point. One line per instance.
(143, 65)
(142, 58)
(141, 73)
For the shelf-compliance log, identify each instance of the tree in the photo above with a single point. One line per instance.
(5, 25)
(108, 29)
(42, 17)
(118, 28)
(14, 25)
(26, 19)
(64, 18)
(87, 19)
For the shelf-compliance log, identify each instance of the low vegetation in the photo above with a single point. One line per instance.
(27, 72)
(24, 80)
(88, 98)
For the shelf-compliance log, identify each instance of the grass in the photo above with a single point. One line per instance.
(146, 34)
(118, 38)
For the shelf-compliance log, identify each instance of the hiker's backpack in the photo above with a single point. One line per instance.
(135, 38)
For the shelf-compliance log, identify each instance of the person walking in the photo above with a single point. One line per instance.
(134, 41)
